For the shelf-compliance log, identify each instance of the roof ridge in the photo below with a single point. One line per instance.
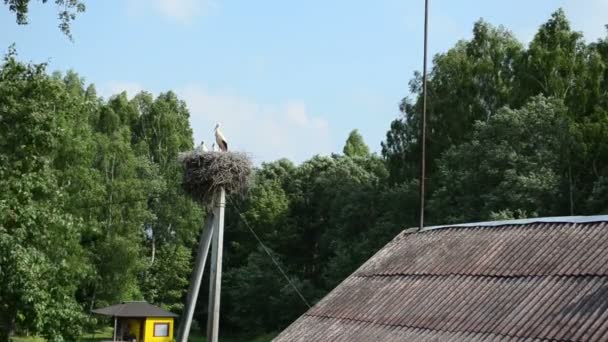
(551, 219)
(134, 309)
(470, 275)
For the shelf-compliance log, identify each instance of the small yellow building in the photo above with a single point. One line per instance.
(140, 322)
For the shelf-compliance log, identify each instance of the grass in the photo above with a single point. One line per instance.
(106, 334)
(26, 339)
(103, 334)
(98, 335)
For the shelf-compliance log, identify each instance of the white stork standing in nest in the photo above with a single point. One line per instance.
(202, 147)
(220, 139)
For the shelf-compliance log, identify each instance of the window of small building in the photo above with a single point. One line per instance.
(161, 329)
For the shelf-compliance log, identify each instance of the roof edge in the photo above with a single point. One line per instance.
(559, 219)
(127, 309)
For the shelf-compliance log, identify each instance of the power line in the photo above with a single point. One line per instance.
(267, 250)
(129, 201)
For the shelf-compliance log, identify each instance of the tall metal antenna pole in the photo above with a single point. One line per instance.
(423, 133)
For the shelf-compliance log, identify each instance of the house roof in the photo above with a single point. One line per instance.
(134, 309)
(541, 279)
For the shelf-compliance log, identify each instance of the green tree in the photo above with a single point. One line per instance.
(309, 216)
(261, 299)
(559, 64)
(167, 279)
(514, 162)
(41, 260)
(67, 13)
(92, 208)
(161, 129)
(469, 82)
(355, 146)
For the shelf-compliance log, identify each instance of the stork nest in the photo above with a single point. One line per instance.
(205, 173)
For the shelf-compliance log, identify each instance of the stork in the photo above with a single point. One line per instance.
(202, 148)
(220, 139)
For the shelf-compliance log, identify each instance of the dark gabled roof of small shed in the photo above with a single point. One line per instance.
(540, 279)
(134, 309)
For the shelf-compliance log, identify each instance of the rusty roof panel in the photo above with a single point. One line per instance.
(550, 308)
(332, 329)
(536, 281)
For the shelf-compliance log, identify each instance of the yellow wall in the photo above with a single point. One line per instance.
(134, 324)
(149, 335)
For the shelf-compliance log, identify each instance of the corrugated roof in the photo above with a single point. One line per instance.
(134, 309)
(511, 281)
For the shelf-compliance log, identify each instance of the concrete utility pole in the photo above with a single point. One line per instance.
(213, 320)
(196, 278)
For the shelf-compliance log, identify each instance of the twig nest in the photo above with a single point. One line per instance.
(207, 172)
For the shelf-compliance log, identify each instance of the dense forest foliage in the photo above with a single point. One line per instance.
(92, 212)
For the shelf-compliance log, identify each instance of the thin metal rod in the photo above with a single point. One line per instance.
(213, 319)
(195, 279)
(423, 133)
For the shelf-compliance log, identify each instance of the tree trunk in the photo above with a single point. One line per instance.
(153, 250)
(7, 324)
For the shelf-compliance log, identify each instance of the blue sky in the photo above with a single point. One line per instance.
(285, 78)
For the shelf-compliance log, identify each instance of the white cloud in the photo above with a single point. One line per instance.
(183, 11)
(266, 131)
(296, 113)
(116, 87)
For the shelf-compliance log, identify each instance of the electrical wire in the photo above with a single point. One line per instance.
(267, 250)
(242, 217)
(129, 201)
